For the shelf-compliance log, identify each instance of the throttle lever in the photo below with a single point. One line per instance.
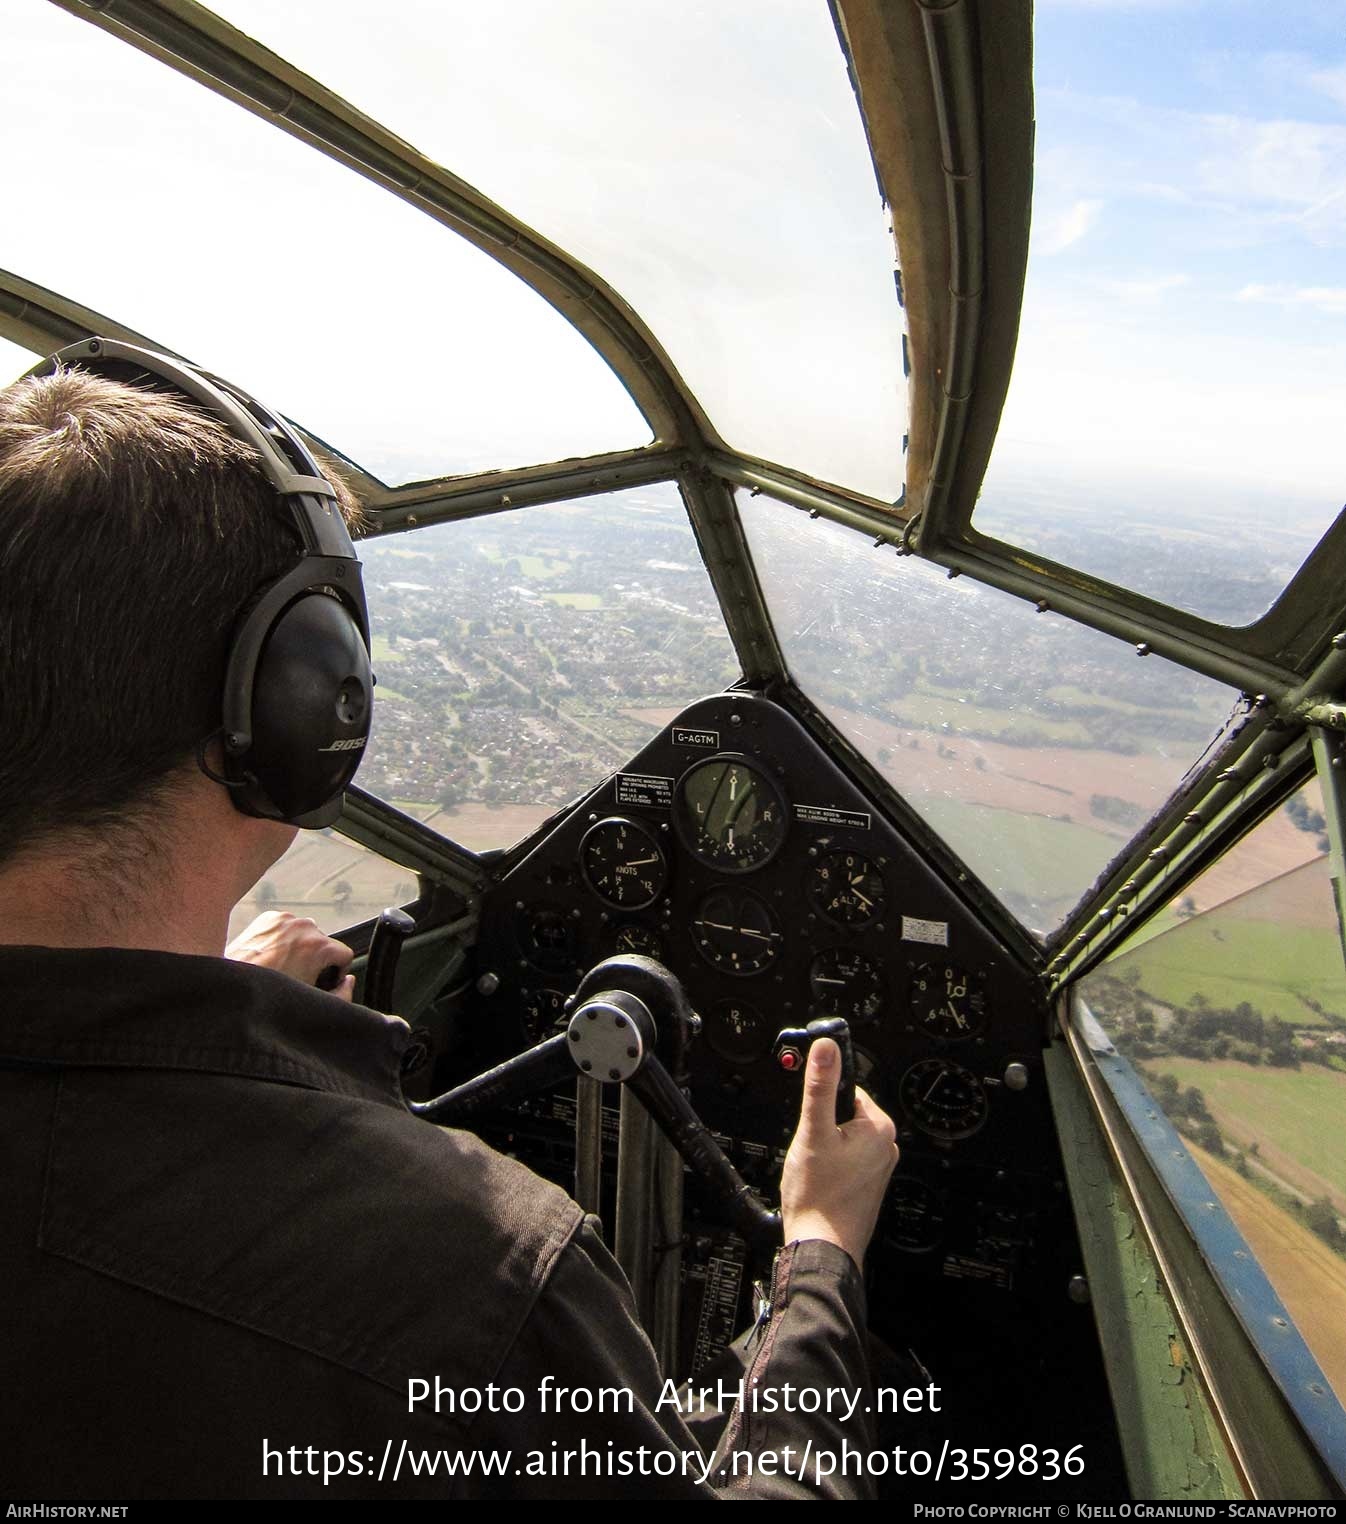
(391, 929)
(791, 1052)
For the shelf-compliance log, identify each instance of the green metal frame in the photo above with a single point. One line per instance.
(1172, 1439)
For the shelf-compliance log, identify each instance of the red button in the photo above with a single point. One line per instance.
(791, 1058)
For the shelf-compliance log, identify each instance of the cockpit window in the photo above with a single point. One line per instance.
(715, 171)
(1174, 418)
(1232, 1007)
(1034, 746)
(202, 227)
(14, 360)
(524, 656)
(331, 880)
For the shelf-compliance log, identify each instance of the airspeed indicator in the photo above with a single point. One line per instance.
(623, 863)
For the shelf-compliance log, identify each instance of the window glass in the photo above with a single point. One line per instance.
(1234, 1012)
(254, 255)
(713, 168)
(1035, 747)
(1174, 418)
(14, 361)
(328, 878)
(524, 656)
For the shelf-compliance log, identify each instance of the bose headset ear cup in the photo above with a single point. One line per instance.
(298, 687)
(311, 710)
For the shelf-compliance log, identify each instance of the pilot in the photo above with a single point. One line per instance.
(233, 1263)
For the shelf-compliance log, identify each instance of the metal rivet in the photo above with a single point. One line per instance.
(1041, 605)
(1143, 648)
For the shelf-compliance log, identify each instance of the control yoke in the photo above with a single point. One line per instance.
(630, 1024)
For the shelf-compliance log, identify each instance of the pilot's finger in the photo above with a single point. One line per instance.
(346, 989)
(818, 1112)
(329, 961)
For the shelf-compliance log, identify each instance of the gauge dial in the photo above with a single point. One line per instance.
(738, 1032)
(943, 1099)
(542, 1011)
(623, 863)
(948, 1002)
(636, 938)
(547, 938)
(729, 815)
(846, 983)
(736, 932)
(847, 888)
(913, 1216)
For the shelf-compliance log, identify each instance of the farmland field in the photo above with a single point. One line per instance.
(1294, 1116)
(1309, 1278)
(1276, 947)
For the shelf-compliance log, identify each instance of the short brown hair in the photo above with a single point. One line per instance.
(134, 528)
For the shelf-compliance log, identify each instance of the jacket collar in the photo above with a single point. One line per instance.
(112, 1008)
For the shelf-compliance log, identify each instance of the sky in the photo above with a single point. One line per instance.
(714, 172)
(1186, 302)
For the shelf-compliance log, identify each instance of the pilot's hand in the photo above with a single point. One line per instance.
(293, 945)
(834, 1177)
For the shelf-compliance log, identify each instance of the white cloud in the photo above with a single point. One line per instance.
(1057, 233)
(1331, 82)
(1329, 299)
(1142, 291)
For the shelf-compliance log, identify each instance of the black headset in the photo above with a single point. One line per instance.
(298, 687)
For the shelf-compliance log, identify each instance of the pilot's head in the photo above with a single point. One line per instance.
(134, 529)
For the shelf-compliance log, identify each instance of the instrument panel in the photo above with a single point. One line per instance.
(735, 850)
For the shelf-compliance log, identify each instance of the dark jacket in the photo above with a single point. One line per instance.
(226, 1249)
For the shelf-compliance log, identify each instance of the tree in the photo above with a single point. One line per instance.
(1320, 1217)
(341, 894)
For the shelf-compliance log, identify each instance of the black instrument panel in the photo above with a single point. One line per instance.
(735, 850)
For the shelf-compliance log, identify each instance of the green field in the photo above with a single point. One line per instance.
(530, 566)
(1298, 1111)
(383, 652)
(928, 712)
(1030, 850)
(1081, 698)
(1229, 960)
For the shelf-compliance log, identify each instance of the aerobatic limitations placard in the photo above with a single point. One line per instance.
(645, 790)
